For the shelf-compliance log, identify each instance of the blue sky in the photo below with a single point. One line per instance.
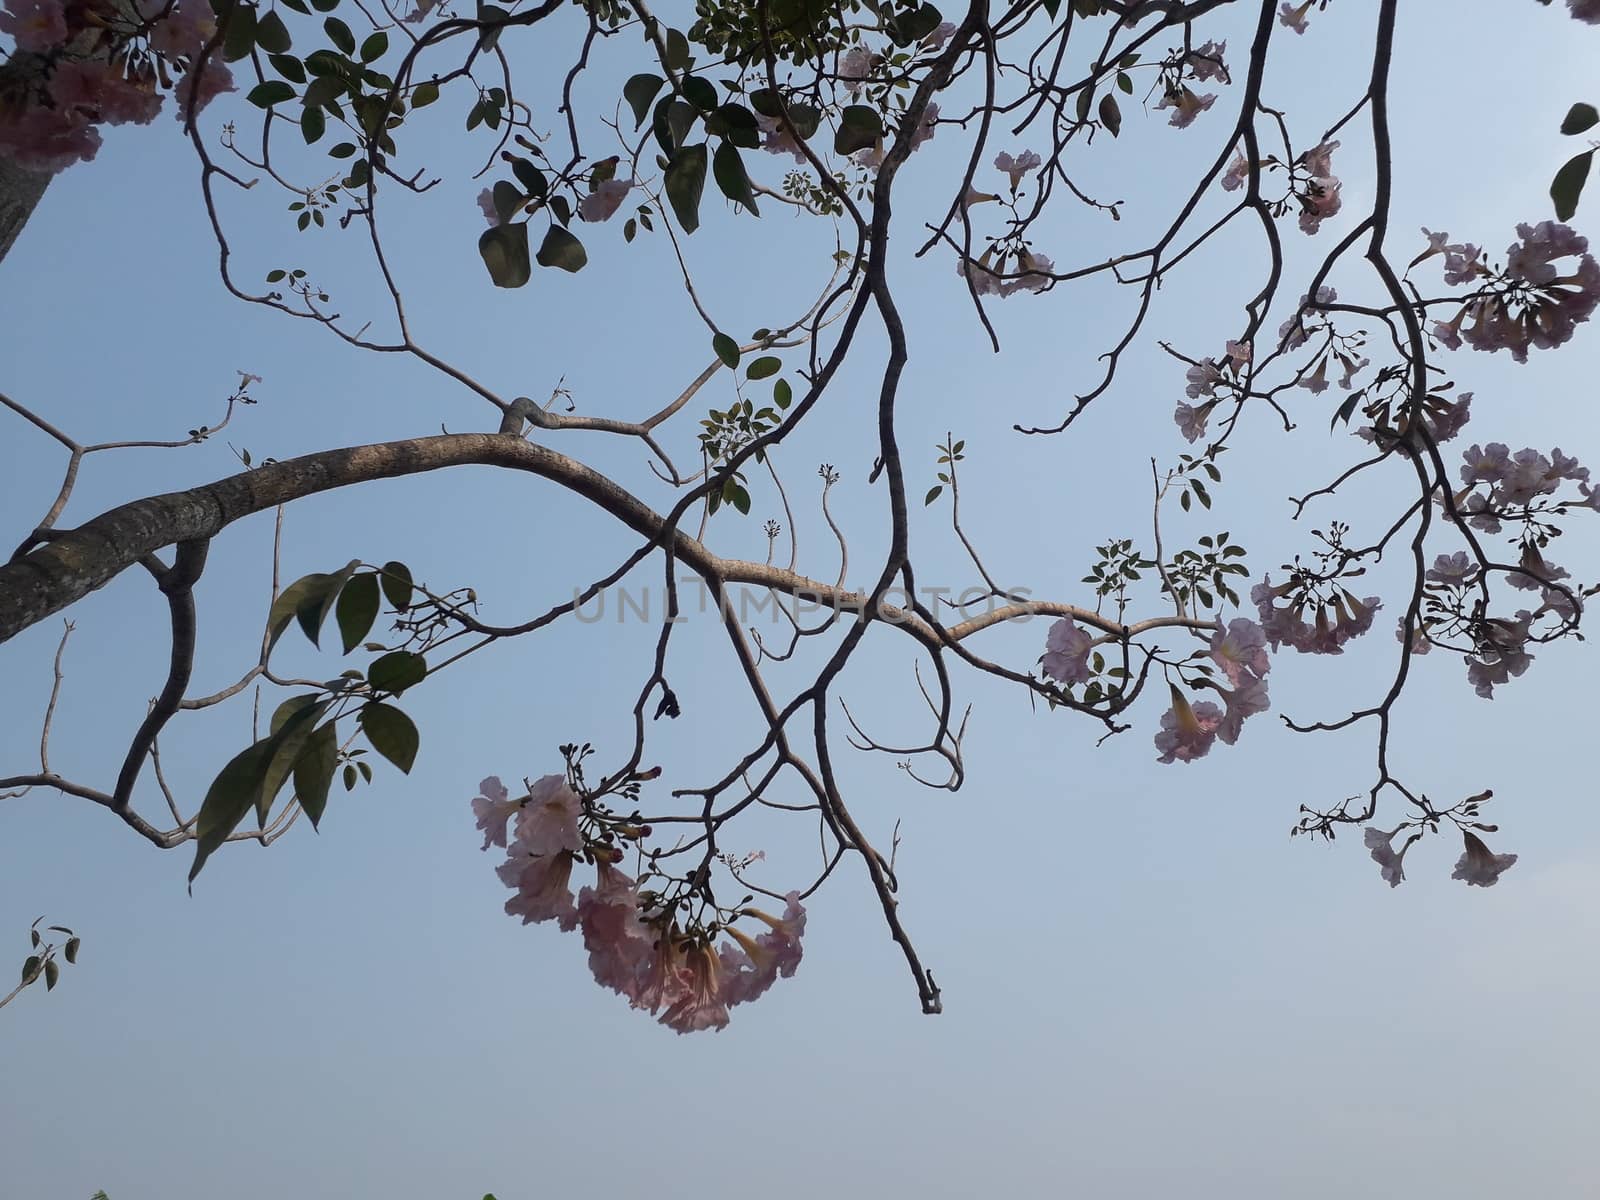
(1148, 987)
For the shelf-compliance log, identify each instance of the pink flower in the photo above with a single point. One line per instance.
(1248, 697)
(1318, 161)
(941, 34)
(1205, 62)
(1203, 378)
(183, 31)
(664, 976)
(1478, 866)
(750, 968)
(1241, 649)
(1500, 655)
(542, 886)
(854, 68)
(779, 140)
(1033, 274)
(600, 204)
(1066, 653)
(491, 214)
(619, 944)
(1381, 845)
(1453, 570)
(1016, 168)
(700, 1004)
(1292, 333)
(548, 822)
(213, 80)
(1317, 382)
(985, 281)
(974, 196)
(1186, 105)
(35, 25)
(1191, 420)
(1238, 171)
(78, 84)
(1294, 16)
(1320, 201)
(49, 139)
(420, 11)
(1187, 732)
(493, 808)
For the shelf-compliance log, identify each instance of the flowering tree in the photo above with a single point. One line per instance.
(814, 108)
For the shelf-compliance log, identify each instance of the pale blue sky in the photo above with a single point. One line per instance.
(1150, 990)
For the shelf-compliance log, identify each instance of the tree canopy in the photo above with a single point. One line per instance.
(1024, 146)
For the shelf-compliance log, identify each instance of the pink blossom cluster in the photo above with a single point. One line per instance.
(1515, 481)
(1318, 192)
(1188, 731)
(94, 72)
(1334, 621)
(1204, 378)
(1532, 302)
(1032, 273)
(1441, 417)
(1478, 866)
(1294, 333)
(635, 950)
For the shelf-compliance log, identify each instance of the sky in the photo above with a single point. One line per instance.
(1149, 988)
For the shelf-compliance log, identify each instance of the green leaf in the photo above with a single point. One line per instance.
(561, 249)
(240, 37)
(357, 610)
(531, 177)
(686, 180)
(231, 795)
(680, 121)
(313, 771)
(728, 168)
(737, 124)
(52, 972)
(312, 124)
(273, 91)
(507, 200)
(933, 494)
(764, 367)
(727, 349)
(1110, 114)
(271, 34)
(342, 150)
(29, 966)
(699, 92)
(290, 67)
(339, 34)
(71, 950)
(1567, 186)
(324, 92)
(397, 586)
(314, 611)
(301, 591)
(396, 671)
(424, 94)
(505, 252)
(1579, 118)
(782, 393)
(349, 776)
(639, 92)
(374, 47)
(287, 743)
(859, 128)
(677, 51)
(391, 733)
